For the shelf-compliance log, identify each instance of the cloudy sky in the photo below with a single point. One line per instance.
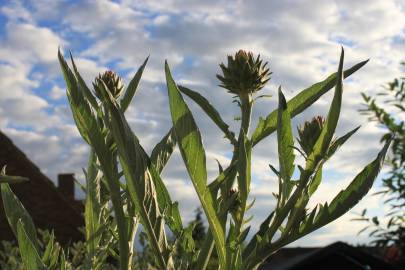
(300, 39)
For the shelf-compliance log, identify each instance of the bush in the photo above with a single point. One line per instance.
(124, 187)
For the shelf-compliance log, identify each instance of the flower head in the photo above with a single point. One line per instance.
(112, 81)
(309, 133)
(244, 74)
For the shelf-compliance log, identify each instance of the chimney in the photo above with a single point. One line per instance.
(66, 185)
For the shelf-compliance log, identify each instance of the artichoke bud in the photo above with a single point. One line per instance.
(309, 133)
(244, 74)
(112, 81)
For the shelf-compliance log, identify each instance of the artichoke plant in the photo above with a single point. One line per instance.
(124, 187)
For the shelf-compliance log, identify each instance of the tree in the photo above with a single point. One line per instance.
(388, 231)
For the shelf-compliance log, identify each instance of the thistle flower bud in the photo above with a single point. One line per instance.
(244, 74)
(112, 81)
(309, 133)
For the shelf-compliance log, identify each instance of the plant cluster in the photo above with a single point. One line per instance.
(124, 187)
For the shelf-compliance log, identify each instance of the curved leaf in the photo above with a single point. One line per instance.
(192, 151)
(15, 212)
(132, 87)
(29, 253)
(161, 153)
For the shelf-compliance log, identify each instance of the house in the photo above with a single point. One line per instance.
(53, 208)
(336, 256)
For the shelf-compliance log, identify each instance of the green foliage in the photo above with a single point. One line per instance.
(124, 188)
(391, 117)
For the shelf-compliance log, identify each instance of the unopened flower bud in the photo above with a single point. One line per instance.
(244, 74)
(309, 133)
(112, 81)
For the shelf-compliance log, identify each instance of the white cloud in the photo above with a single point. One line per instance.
(301, 43)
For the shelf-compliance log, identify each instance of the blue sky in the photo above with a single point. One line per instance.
(300, 39)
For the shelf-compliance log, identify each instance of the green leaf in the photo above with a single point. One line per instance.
(193, 154)
(316, 181)
(209, 109)
(46, 257)
(92, 212)
(137, 171)
(322, 144)
(161, 153)
(300, 102)
(132, 87)
(339, 142)
(28, 251)
(83, 87)
(15, 211)
(348, 197)
(285, 144)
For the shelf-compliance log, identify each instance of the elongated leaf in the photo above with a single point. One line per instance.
(316, 181)
(28, 251)
(210, 111)
(92, 212)
(322, 144)
(285, 142)
(132, 87)
(137, 172)
(350, 196)
(192, 151)
(339, 142)
(161, 153)
(82, 85)
(300, 102)
(88, 125)
(15, 211)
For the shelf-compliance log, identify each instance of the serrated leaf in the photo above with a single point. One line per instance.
(161, 153)
(15, 211)
(299, 103)
(28, 251)
(350, 196)
(132, 87)
(212, 113)
(193, 154)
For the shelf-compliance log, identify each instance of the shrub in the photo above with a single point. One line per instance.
(124, 187)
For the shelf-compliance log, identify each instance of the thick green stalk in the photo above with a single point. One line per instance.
(112, 182)
(244, 154)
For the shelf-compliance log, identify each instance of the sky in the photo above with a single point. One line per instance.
(301, 40)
